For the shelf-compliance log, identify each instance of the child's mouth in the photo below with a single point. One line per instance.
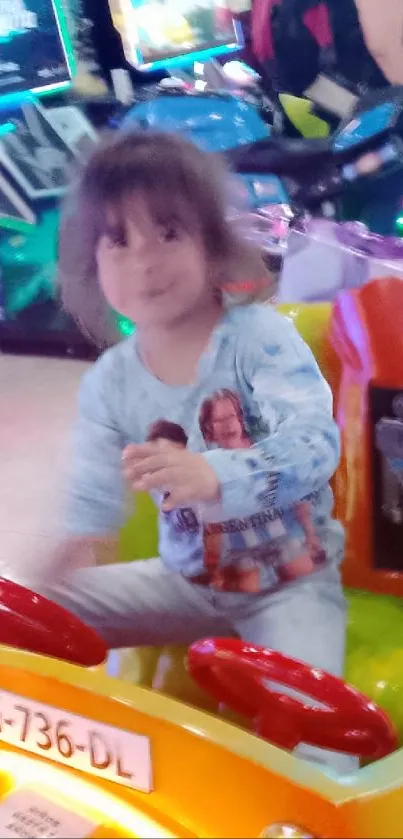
(157, 292)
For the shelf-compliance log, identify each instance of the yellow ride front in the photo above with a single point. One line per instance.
(204, 777)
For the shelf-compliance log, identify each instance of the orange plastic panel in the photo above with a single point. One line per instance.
(210, 778)
(367, 333)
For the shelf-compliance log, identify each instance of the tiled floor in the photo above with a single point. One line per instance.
(37, 404)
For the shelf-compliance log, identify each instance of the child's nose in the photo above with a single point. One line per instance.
(145, 258)
(141, 247)
(139, 240)
(148, 268)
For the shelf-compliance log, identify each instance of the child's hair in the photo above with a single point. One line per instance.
(178, 181)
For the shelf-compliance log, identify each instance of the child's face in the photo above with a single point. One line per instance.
(149, 273)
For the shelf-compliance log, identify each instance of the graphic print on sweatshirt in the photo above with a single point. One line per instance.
(236, 552)
(182, 519)
(241, 555)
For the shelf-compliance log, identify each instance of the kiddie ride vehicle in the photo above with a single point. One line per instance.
(83, 755)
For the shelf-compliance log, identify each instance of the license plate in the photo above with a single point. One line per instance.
(93, 747)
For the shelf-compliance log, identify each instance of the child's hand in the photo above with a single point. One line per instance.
(186, 476)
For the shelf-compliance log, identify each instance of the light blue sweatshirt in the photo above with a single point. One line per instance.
(274, 408)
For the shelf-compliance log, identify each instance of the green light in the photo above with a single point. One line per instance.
(15, 224)
(65, 36)
(125, 326)
(180, 60)
(399, 225)
(51, 90)
(61, 20)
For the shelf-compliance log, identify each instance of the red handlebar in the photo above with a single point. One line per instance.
(30, 622)
(236, 674)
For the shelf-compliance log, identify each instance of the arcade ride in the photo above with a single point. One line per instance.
(83, 755)
(354, 342)
(114, 742)
(90, 756)
(70, 736)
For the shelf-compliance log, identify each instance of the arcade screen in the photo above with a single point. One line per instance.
(162, 32)
(35, 50)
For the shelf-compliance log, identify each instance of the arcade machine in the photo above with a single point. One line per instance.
(37, 149)
(174, 33)
(44, 130)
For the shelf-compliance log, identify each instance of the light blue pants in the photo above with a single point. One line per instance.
(142, 603)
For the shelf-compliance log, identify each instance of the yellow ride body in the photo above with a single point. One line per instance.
(210, 779)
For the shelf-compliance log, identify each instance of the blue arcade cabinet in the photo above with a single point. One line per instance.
(42, 134)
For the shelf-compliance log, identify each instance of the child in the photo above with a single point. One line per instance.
(146, 234)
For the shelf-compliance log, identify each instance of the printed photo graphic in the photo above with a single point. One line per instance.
(222, 422)
(237, 552)
(172, 434)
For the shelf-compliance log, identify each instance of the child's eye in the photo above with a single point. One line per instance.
(116, 238)
(118, 242)
(170, 233)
